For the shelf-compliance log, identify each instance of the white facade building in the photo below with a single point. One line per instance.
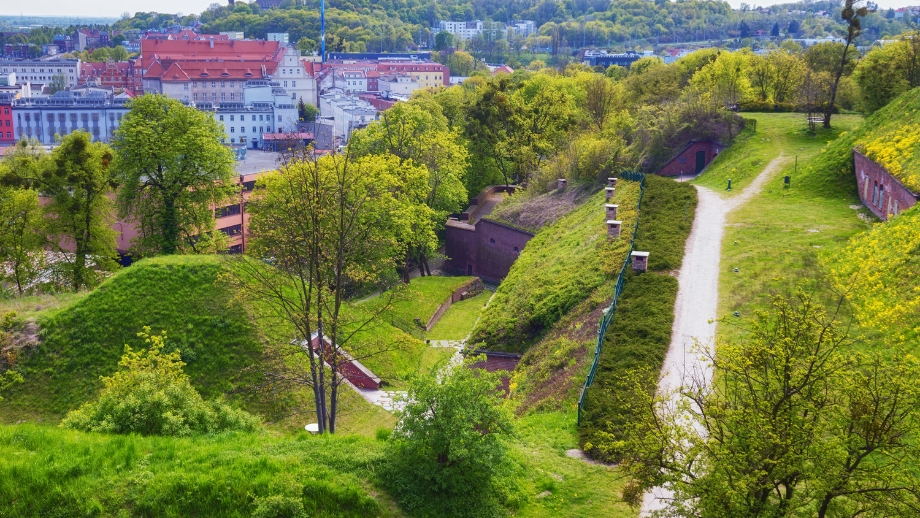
(99, 113)
(293, 77)
(462, 30)
(41, 71)
(348, 113)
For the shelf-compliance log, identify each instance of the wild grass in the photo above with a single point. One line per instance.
(51, 472)
(557, 269)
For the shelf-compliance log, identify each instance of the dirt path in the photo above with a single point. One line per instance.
(695, 310)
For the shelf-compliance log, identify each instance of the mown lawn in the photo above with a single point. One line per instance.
(458, 320)
(776, 238)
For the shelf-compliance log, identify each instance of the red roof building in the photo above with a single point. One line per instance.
(118, 75)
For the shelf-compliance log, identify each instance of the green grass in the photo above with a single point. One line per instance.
(557, 269)
(557, 485)
(752, 150)
(638, 337)
(54, 472)
(776, 238)
(84, 340)
(434, 359)
(458, 320)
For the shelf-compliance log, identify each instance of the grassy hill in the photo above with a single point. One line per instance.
(83, 338)
(560, 267)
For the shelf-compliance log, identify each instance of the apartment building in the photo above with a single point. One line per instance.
(97, 111)
(42, 71)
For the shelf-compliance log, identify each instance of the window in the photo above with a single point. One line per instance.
(875, 194)
(285, 84)
(253, 129)
(491, 241)
(195, 96)
(881, 196)
(185, 86)
(516, 249)
(213, 97)
(895, 201)
(221, 117)
(293, 84)
(248, 186)
(231, 118)
(253, 117)
(232, 230)
(223, 97)
(213, 84)
(279, 118)
(223, 84)
(232, 95)
(232, 129)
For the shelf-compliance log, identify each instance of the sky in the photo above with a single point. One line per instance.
(114, 8)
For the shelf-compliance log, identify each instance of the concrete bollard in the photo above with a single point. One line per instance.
(611, 210)
(640, 261)
(613, 228)
(609, 191)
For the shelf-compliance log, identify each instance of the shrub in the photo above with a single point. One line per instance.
(446, 456)
(278, 506)
(152, 395)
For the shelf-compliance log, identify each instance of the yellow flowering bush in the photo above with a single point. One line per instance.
(896, 150)
(879, 270)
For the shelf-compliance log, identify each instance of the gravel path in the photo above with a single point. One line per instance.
(698, 297)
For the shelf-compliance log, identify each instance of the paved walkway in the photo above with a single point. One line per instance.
(693, 332)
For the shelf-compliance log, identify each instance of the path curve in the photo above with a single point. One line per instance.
(698, 297)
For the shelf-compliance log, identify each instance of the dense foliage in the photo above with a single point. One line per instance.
(447, 454)
(152, 395)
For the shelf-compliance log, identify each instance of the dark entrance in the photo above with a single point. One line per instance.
(469, 269)
(700, 160)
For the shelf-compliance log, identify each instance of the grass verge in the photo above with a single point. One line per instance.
(458, 320)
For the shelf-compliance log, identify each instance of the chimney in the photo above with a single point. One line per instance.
(212, 42)
(560, 184)
(611, 210)
(613, 228)
(640, 261)
(611, 182)
(610, 191)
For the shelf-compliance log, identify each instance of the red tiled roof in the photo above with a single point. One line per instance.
(202, 49)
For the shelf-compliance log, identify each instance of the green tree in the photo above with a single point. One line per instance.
(152, 395)
(461, 63)
(417, 132)
(118, 53)
(443, 40)
(447, 450)
(330, 225)
(173, 169)
(77, 180)
(796, 423)
(306, 46)
(306, 112)
(21, 236)
(58, 83)
(100, 54)
(888, 71)
(726, 78)
(852, 15)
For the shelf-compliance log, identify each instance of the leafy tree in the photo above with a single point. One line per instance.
(887, 72)
(726, 78)
(777, 75)
(417, 132)
(795, 423)
(600, 95)
(100, 54)
(306, 112)
(77, 180)
(330, 225)
(852, 16)
(21, 236)
(152, 395)
(447, 448)
(461, 63)
(744, 29)
(793, 27)
(306, 45)
(774, 32)
(173, 170)
(443, 41)
(58, 83)
(118, 53)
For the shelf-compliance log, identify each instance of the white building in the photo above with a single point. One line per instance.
(461, 30)
(293, 77)
(281, 37)
(234, 35)
(94, 110)
(524, 27)
(397, 85)
(41, 71)
(354, 80)
(348, 113)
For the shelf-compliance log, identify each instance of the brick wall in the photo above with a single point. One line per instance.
(486, 249)
(685, 161)
(882, 193)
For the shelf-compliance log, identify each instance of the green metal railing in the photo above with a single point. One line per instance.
(608, 313)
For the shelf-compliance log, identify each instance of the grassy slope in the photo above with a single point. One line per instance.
(776, 238)
(85, 340)
(459, 318)
(557, 269)
(53, 472)
(640, 333)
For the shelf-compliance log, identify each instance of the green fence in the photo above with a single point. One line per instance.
(608, 313)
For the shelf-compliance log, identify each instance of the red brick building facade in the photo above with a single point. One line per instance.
(7, 130)
(485, 248)
(692, 159)
(881, 192)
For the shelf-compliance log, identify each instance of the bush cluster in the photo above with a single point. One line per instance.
(152, 395)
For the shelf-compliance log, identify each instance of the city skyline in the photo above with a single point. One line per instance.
(115, 8)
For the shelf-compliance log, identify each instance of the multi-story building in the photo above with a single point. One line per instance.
(64, 42)
(110, 74)
(354, 80)
(426, 74)
(293, 75)
(347, 112)
(7, 130)
(461, 30)
(524, 28)
(42, 71)
(94, 110)
(397, 85)
(90, 38)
